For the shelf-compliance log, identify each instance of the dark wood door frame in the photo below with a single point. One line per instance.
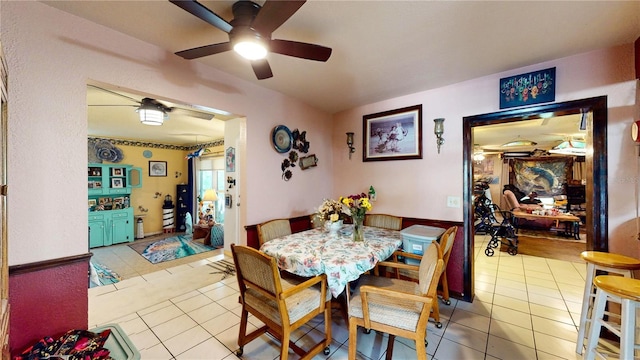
(596, 170)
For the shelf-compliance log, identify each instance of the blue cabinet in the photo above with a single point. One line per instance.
(110, 214)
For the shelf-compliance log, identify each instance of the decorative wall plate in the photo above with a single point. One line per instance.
(147, 153)
(281, 138)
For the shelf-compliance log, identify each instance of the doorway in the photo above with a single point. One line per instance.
(595, 163)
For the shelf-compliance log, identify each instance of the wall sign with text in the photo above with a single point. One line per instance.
(527, 89)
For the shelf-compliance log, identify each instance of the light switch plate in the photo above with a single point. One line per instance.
(453, 201)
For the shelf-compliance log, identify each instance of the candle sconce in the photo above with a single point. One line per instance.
(439, 131)
(352, 149)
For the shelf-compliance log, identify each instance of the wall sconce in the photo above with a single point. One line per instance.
(352, 149)
(439, 130)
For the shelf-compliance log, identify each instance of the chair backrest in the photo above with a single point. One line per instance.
(384, 221)
(431, 267)
(272, 229)
(446, 243)
(255, 269)
(511, 200)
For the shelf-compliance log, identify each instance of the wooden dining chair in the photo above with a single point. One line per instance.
(283, 305)
(446, 244)
(397, 307)
(273, 229)
(384, 221)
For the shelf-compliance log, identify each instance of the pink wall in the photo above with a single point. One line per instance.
(419, 188)
(51, 55)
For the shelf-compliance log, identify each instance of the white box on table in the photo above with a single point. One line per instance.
(416, 239)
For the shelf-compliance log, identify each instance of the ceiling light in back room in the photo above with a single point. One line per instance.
(519, 142)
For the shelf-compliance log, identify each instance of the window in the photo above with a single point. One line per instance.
(211, 176)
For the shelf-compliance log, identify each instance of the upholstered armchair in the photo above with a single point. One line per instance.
(513, 204)
(283, 305)
(397, 307)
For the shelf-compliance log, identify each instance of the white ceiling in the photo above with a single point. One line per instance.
(385, 49)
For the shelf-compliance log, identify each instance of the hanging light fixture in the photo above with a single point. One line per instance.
(478, 154)
(570, 147)
(151, 112)
(519, 142)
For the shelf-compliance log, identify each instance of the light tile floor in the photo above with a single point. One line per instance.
(525, 308)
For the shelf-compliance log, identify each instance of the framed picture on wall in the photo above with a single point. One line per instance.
(157, 168)
(230, 159)
(393, 135)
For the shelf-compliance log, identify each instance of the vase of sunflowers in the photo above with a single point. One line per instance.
(358, 205)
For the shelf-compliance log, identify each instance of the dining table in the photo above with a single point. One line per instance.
(317, 251)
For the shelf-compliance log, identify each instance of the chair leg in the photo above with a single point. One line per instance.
(445, 288)
(585, 313)
(436, 313)
(327, 327)
(421, 349)
(390, 342)
(243, 332)
(597, 314)
(353, 334)
(284, 347)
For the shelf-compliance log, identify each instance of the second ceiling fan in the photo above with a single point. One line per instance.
(250, 30)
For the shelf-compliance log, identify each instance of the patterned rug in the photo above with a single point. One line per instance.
(172, 248)
(102, 275)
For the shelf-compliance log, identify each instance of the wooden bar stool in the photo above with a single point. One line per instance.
(611, 263)
(625, 291)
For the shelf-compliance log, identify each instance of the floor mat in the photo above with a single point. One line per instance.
(102, 275)
(172, 248)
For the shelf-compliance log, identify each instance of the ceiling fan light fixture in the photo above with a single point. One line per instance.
(250, 50)
(249, 44)
(150, 114)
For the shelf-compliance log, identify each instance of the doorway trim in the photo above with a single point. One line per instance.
(596, 171)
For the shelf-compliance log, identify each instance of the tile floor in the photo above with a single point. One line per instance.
(525, 308)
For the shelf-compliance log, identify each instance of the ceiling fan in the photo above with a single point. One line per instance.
(152, 111)
(250, 33)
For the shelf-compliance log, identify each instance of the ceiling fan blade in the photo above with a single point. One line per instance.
(262, 69)
(192, 113)
(201, 12)
(300, 50)
(114, 93)
(204, 50)
(273, 14)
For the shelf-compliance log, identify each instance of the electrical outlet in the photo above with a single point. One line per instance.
(453, 201)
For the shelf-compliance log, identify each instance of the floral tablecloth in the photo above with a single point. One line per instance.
(314, 252)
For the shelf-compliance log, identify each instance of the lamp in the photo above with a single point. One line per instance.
(151, 113)
(438, 129)
(212, 196)
(352, 149)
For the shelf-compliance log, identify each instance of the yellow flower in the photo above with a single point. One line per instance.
(334, 217)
